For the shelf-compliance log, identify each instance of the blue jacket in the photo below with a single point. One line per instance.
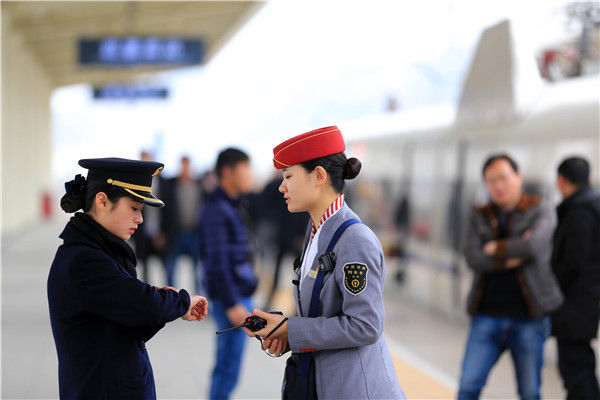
(102, 315)
(229, 275)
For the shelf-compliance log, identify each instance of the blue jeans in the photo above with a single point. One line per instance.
(230, 349)
(488, 339)
(186, 243)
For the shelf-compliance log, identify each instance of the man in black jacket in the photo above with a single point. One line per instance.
(576, 263)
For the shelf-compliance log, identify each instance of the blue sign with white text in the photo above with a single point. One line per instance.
(129, 92)
(140, 51)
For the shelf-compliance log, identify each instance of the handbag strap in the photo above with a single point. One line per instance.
(313, 310)
(304, 359)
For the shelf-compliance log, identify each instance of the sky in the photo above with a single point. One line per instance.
(295, 66)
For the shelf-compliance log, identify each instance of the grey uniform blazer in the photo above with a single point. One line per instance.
(352, 360)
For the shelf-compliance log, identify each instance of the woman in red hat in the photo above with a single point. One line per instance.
(337, 342)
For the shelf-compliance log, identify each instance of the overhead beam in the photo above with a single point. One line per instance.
(51, 30)
(155, 23)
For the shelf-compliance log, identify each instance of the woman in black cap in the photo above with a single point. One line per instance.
(101, 314)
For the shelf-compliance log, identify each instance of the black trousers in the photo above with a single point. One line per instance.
(577, 366)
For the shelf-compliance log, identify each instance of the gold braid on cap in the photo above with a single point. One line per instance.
(129, 185)
(144, 197)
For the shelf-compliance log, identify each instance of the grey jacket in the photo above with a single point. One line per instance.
(538, 284)
(352, 360)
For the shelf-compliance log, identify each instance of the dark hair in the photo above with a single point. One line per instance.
(338, 167)
(576, 170)
(81, 194)
(230, 157)
(500, 156)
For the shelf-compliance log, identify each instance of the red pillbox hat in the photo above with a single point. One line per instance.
(308, 146)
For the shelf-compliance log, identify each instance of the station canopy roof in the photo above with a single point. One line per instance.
(52, 30)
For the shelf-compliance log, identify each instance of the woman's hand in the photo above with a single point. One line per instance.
(198, 309)
(275, 347)
(272, 321)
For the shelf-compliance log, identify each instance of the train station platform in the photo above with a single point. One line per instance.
(427, 348)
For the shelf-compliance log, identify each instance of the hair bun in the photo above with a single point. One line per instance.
(74, 199)
(352, 168)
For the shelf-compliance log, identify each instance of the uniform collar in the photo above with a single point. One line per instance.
(331, 210)
(82, 228)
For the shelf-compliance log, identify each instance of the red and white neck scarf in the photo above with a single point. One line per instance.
(333, 208)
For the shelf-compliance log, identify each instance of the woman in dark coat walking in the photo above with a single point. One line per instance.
(101, 314)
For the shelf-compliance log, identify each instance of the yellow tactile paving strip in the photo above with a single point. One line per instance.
(417, 384)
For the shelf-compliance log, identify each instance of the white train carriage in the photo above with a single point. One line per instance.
(422, 173)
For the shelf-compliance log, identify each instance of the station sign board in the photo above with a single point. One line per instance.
(129, 92)
(140, 51)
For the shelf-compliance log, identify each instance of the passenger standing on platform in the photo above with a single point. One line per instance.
(576, 263)
(227, 264)
(338, 285)
(182, 195)
(149, 239)
(101, 314)
(508, 247)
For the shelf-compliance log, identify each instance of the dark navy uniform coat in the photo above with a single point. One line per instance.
(102, 315)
